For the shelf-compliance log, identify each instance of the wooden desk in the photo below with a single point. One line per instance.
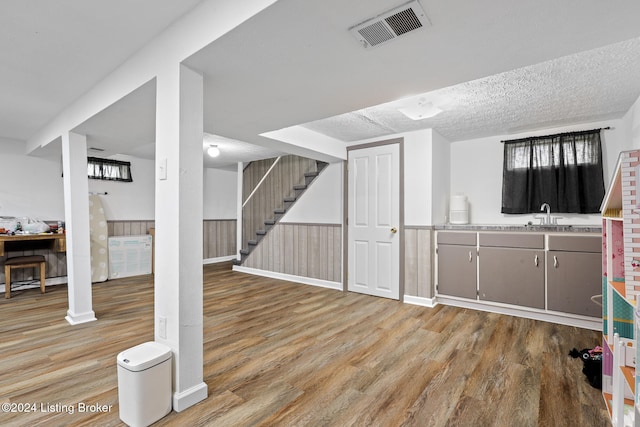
(55, 242)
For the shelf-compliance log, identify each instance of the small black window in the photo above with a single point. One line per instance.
(109, 170)
(563, 170)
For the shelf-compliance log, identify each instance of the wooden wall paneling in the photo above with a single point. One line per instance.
(417, 262)
(303, 247)
(331, 248)
(306, 250)
(324, 252)
(425, 255)
(337, 253)
(411, 261)
(118, 229)
(288, 249)
(206, 239)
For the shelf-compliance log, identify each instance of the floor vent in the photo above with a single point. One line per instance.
(390, 25)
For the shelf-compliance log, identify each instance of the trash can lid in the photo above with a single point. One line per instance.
(144, 356)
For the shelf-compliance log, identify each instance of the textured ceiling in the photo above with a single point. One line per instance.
(511, 67)
(594, 85)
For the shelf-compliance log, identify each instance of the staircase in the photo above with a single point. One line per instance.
(288, 196)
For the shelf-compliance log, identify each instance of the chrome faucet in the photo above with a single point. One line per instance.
(548, 209)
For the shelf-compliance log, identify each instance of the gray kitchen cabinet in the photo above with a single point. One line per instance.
(457, 264)
(511, 269)
(574, 274)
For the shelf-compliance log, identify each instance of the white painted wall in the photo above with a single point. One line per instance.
(476, 171)
(220, 194)
(417, 177)
(631, 122)
(33, 187)
(129, 200)
(441, 184)
(426, 176)
(322, 202)
(29, 186)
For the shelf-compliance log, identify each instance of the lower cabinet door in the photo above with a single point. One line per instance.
(512, 276)
(457, 271)
(572, 279)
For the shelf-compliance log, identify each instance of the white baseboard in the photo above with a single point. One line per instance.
(578, 321)
(78, 318)
(188, 398)
(289, 277)
(219, 259)
(421, 301)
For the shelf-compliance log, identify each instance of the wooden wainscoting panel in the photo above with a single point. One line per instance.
(129, 227)
(219, 238)
(306, 250)
(56, 265)
(219, 235)
(417, 263)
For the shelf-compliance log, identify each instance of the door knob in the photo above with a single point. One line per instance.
(394, 230)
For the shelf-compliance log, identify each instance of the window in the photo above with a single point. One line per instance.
(109, 170)
(564, 170)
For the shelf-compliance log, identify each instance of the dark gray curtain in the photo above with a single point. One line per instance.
(564, 170)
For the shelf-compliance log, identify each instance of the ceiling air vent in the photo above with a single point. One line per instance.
(391, 24)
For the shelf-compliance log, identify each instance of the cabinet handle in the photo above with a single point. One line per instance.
(470, 257)
(535, 260)
(555, 261)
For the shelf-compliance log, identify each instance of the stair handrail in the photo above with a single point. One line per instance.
(261, 181)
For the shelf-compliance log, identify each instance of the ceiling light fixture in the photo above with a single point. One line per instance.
(213, 151)
(422, 110)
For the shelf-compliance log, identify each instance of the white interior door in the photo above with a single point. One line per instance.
(373, 217)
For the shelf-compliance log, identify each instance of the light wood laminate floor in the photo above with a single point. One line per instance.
(283, 354)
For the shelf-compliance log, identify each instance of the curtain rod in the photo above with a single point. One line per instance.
(556, 134)
(93, 193)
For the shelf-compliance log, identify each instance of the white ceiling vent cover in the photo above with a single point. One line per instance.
(391, 24)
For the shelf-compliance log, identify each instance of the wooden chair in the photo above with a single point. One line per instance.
(32, 261)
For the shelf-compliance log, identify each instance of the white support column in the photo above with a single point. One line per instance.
(239, 210)
(178, 221)
(76, 212)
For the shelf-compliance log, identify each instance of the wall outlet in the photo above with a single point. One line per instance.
(162, 327)
(162, 169)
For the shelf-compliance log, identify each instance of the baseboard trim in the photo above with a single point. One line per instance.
(188, 398)
(545, 316)
(289, 277)
(219, 259)
(76, 319)
(421, 301)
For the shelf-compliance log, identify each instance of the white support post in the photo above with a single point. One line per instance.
(76, 212)
(239, 210)
(178, 221)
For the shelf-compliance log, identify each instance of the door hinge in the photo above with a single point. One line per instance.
(436, 250)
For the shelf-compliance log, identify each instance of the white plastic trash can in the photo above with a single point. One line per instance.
(144, 383)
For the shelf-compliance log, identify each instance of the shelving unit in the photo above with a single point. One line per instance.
(620, 290)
